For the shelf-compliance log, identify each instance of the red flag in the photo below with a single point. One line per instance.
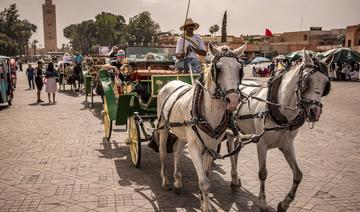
(268, 33)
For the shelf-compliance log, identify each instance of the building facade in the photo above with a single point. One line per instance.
(49, 21)
(352, 39)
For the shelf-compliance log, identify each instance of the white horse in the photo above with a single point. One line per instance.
(198, 115)
(301, 89)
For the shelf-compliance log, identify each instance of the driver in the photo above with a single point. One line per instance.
(77, 58)
(66, 59)
(186, 52)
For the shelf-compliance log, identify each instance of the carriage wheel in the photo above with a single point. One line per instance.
(107, 121)
(135, 142)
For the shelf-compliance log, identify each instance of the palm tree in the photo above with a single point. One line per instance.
(216, 28)
(212, 30)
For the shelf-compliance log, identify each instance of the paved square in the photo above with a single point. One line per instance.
(54, 158)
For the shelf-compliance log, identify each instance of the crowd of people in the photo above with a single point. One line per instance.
(344, 72)
(267, 71)
(51, 76)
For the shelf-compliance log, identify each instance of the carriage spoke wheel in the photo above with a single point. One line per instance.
(107, 121)
(135, 142)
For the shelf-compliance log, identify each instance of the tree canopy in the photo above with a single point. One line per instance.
(142, 29)
(14, 32)
(109, 29)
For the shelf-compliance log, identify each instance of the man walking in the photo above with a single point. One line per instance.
(30, 75)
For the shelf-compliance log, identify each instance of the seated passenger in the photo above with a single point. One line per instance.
(150, 57)
(116, 64)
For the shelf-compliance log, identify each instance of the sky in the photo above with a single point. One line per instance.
(244, 16)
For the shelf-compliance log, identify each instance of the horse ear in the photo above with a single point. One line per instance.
(328, 60)
(307, 59)
(239, 51)
(214, 50)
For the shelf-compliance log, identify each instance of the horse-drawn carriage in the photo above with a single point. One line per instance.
(70, 74)
(91, 66)
(134, 103)
(208, 106)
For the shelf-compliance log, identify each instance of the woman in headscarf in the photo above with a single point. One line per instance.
(50, 76)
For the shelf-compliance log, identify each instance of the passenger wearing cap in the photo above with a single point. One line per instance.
(117, 65)
(39, 80)
(186, 52)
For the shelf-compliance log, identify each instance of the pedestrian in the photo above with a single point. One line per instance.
(50, 76)
(39, 80)
(30, 75)
(254, 71)
(20, 64)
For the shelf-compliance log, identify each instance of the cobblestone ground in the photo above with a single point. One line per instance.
(54, 158)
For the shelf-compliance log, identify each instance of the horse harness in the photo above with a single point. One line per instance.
(197, 118)
(219, 93)
(272, 100)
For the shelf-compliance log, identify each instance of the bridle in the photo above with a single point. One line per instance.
(219, 92)
(303, 85)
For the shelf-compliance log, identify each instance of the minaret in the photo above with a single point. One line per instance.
(49, 20)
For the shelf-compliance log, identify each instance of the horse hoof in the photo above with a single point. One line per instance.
(235, 187)
(281, 208)
(177, 191)
(166, 187)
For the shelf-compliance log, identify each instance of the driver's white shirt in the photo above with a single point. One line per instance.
(66, 59)
(196, 38)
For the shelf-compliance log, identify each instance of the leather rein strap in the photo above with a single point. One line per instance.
(202, 123)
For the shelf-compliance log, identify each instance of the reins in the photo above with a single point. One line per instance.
(299, 120)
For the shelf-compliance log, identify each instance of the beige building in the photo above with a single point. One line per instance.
(352, 39)
(49, 20)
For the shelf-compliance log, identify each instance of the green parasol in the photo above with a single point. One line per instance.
(342, 55)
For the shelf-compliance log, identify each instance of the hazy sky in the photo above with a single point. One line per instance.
(244, 16)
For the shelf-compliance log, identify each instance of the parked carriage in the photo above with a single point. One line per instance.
(134, 103)
(6, 82)
(91, 66)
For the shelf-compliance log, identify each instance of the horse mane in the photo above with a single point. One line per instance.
(208, 77)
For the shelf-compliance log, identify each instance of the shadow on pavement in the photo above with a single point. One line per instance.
(34, 104)
(72, 93)
(95, 110)
(47, 104)
(147, 183)
(108, 151)
(3, 107)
